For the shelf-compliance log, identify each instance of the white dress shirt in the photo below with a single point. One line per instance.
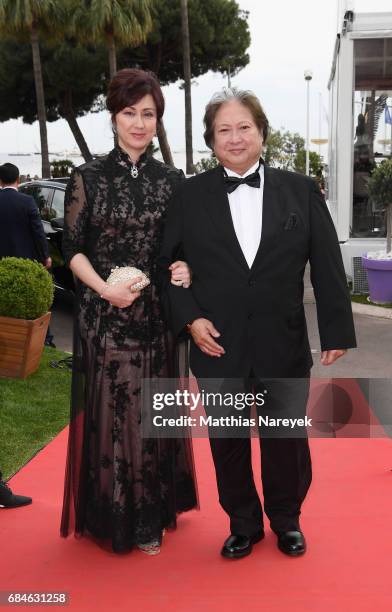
(246, 207)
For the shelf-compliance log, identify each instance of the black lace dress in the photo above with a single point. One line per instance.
(121, 488)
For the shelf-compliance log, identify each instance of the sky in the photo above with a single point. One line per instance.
(288, 37)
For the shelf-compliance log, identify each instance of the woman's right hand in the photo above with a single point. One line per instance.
(121, 294)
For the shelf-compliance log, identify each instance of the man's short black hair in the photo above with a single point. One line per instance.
(9, 174)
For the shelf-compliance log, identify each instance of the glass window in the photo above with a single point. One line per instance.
(372, 129)
(333, 138)
(58, 204)
(42, 196)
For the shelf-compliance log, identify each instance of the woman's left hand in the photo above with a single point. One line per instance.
(181, 274)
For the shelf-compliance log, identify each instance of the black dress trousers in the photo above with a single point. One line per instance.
(285, 455)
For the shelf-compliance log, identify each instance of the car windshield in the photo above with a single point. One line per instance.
(58, 204)
(40, 195)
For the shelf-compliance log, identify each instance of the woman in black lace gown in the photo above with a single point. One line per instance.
(121, 488)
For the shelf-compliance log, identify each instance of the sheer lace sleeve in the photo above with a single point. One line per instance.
(76, 217)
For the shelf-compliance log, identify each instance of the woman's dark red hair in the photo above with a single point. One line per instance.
(129, 85)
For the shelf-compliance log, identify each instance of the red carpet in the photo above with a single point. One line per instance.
(346, 518)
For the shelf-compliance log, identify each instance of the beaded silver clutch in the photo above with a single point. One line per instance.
(127, 273)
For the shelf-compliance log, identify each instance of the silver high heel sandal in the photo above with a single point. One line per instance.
(152, 548)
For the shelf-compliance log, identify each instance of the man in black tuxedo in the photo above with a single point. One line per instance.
(247, 231)
(21, 230)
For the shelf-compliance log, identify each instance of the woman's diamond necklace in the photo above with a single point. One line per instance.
(134, 170)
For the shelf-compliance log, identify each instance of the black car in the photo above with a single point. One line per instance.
(49, 196)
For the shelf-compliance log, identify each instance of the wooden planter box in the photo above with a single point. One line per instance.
(21, 345)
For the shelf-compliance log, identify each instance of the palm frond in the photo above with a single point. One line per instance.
(18, 16)
(129, 21)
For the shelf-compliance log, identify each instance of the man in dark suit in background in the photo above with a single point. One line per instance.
(8, 499)
(21, 235)
(21, 230)
(247, 231)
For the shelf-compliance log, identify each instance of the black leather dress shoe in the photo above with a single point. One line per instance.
(9, 500)
(292, 543)
(238, 546)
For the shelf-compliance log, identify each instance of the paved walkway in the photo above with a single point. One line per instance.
(373, 358)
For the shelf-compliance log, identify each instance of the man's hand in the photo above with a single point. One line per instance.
(181, 274)
(329, 357)
(48, 263)
(203, 333)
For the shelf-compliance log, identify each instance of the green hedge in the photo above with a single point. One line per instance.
(26, 288)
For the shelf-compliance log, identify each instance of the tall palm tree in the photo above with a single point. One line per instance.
(115, 22)
(27, 18)
(186, 54)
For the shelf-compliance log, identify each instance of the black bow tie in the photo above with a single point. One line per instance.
(232, 182)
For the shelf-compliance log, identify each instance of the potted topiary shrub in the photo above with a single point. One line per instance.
(379, 263)
(26, 294)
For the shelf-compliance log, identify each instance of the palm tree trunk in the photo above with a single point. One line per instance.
(41, 110)
(164, 144)
(154, 53)
(112, 66)
(112, 55)
(69, 116)
(186, 54)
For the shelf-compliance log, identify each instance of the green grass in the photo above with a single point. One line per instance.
(363, 299)
(32, 412)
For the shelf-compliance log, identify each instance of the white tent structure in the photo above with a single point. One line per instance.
(360, 134)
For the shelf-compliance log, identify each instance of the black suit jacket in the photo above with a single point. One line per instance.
(21, 230)
(259, 310)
